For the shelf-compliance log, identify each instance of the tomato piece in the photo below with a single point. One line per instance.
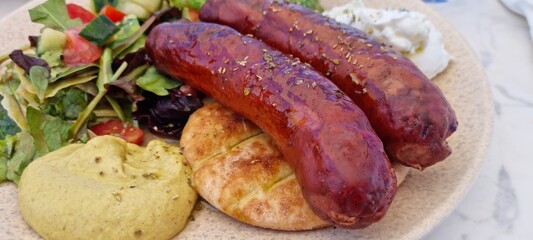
(117, 128)
(77, 11)
(78, 50)
(112, 13)
(194, 15)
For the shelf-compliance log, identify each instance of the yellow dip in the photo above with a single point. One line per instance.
(108, 189)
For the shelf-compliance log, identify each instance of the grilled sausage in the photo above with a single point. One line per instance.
(338, 159)
(408, 112)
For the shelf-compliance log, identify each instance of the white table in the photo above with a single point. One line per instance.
(500, 204)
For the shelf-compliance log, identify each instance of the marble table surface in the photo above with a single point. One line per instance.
(499, 205)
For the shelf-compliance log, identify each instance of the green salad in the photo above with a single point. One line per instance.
(87, 74)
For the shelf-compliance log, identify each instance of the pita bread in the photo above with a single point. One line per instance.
(239, 170)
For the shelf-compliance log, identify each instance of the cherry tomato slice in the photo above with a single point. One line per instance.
(194, 15)
(77, 11)
(78, 50)
(117, 128)
(112, 13)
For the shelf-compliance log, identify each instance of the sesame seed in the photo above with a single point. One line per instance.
(117, 196)
(354, 78)
(242, 63)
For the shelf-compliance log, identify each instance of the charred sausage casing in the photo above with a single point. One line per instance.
(337, 158)
(408, 112)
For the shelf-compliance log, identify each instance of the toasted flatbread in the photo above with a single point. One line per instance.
(239, 170)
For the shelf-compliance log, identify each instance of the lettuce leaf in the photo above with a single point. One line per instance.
(156, 82)
(7, 125)
(53, 57)
(135, 41)
(193, 4)
(26, 90)
(67, 104)
(6, 150)
(14, 104)
(135, 61)
(136, 46)
(167, 115)
(53, 14)
(49, 133)
(106, 71)
(55, 87)
(127, 28)
(27, 62)
(23, 154)
(39, 77)
(61, 72)
(312, 4)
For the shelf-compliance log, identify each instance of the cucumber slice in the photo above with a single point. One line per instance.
(130, 7)
(99, 30)
(51, 40)
(150, 5)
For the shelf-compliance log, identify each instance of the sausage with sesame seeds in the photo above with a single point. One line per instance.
(408, 112)
(338, 160)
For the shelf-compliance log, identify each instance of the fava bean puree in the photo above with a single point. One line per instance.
(108, 189)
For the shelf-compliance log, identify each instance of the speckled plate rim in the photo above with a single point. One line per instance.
(441, 187)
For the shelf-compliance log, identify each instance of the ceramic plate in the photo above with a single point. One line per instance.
(423, 200)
